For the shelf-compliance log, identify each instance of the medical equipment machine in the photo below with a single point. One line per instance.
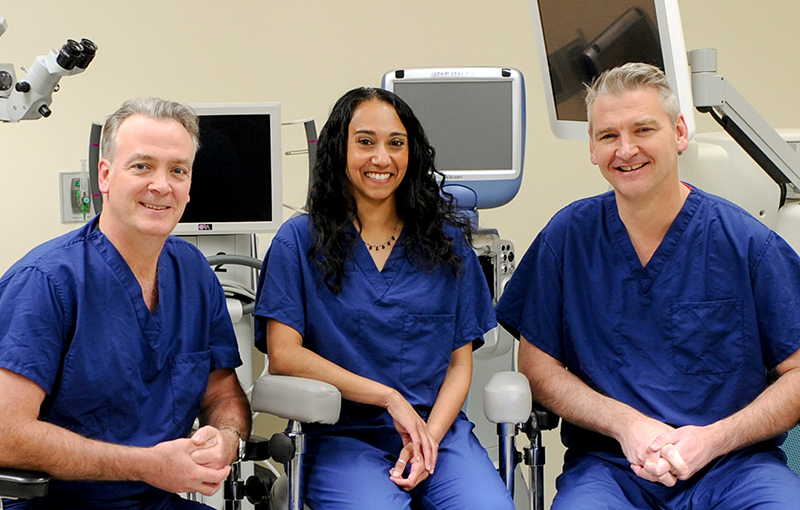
(475, 119)
(30, 98)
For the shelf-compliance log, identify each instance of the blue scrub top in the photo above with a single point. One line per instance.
(398, 326)
(74, 322)
(686, 339)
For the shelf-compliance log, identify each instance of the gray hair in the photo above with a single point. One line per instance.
(629, 77)
(151, 107)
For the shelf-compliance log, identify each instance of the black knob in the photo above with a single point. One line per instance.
(281, 448)
(23, 86)
(44, 111)
(258, 487)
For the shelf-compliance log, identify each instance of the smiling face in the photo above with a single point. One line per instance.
(635, 145)
(146, 186)
(377, 153)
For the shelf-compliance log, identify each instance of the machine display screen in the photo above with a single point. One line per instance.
(582, 41)
(231, 177)
(469, 123)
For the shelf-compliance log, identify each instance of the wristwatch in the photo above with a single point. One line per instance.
(242, 442)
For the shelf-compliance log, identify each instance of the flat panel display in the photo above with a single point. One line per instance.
(236, 178)
(475, 119)
(579, 39)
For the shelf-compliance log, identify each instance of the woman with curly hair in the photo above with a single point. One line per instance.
(378, 292)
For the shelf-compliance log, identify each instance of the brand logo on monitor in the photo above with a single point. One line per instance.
(452, 73)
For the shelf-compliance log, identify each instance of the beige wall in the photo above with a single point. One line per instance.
(305, 54)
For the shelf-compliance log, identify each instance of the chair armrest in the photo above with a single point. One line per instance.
(297, 398)
(507, 398)
(17, 484)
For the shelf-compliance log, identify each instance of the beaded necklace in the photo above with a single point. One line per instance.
(385, 245)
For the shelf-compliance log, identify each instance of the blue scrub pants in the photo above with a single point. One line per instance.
(753, 478)
(351, 472)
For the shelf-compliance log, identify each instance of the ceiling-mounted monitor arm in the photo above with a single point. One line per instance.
(715, 95)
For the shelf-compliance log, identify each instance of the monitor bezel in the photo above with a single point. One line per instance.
(272, 109)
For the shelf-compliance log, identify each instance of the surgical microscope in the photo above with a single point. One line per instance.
(31, 97)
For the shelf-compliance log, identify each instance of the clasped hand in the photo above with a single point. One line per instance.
(674, 454)
(420, 449)
(197, 464)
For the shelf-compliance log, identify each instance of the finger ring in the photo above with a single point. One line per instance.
(401, 460)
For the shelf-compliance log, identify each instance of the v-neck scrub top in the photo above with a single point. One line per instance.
(398, 326)
(688, 338)
(74, 321)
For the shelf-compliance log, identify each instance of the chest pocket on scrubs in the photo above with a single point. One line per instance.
(707, 337)
(427, 348)
(188, 374)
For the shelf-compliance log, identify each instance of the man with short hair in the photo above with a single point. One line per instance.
(116, 336)
(648, 317)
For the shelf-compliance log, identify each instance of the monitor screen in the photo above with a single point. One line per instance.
(236, 178)
(452, 127)
(579, 39)
(475, 119)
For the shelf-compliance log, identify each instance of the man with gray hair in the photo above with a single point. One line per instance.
(116, 336)
(648, 318)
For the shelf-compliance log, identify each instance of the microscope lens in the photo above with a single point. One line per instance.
(70, 54)
(89, 50)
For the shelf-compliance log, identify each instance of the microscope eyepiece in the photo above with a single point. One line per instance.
(70, 54)
(89, 50)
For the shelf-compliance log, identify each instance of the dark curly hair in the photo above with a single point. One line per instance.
(422, 204)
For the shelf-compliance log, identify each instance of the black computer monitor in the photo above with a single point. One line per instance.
(236, 178)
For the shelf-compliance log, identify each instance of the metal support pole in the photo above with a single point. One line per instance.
(535, 460)
(294, 468)
(507, 454)
(232, 492)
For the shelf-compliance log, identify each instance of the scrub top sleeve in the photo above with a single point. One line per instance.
(280, 291)
(532, 303)
(776, 292)
(33, 326)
